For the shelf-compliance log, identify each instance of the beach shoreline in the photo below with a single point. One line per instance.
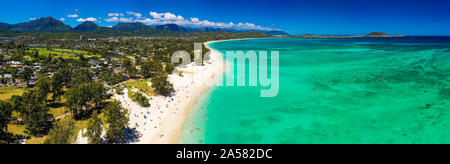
(163, 121)
(176, 136)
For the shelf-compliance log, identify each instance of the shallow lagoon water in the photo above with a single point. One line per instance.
(358, 90)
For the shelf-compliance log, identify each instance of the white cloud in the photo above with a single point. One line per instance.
(169, 18)
(163, 18)
(32, 19)
(126, 19)
(87, 19)
(113, 19)
(148, 21)
(73, 16)
(117, 19)
(195, 20)
(166, 16)
(62, 19)
(138, 15)
(115, 14)
(156, 15)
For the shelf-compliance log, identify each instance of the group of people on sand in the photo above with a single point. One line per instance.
(167, 112)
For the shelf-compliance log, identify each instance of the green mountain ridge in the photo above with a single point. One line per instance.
(42, 25)
(86, 27)
(130, 26)
(52, 25)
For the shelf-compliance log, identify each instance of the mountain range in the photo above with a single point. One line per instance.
(52, 25)
(86, 27)
(42, 25)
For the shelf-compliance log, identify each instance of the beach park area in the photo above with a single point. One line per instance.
(162, 121)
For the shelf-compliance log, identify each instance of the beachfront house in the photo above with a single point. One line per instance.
(15, 64)
(7, 78)
(37, 68)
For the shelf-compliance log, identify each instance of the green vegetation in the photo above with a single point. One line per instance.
(51, 28)
(161, 84)
(36, 140)
(7, 92)
(26, 75)
(34, 112)
(139, 98)
(60, 52)
(119, 90)
(58, 82)
(141, 85)
(150, 68)
(5, 114)
(117, 119)
(16, 129)
(62, 132)
(94, 129)
(57, 112)
(81, 95)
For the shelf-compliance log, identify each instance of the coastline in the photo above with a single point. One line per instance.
(215, 58)
(163, 121)
(219, 59)
(213, 70)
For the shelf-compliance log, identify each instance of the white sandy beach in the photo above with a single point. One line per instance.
(166, 115)
(162, 122)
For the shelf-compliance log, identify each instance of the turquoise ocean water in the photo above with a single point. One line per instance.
(359, 90)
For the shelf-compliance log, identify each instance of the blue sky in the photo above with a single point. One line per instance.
(342, 17)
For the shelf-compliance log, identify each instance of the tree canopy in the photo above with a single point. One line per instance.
(161, 84)
(5, 114)
(117, 119)
(94, 129)
(62, 132)
(34, 111)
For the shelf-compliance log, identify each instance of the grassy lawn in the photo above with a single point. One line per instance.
(20, 130)
(72, 50)
(7, 92)
(29, 57)
(130, 94)
(80, 125)
(56, 112)
(36, 140)
(187, 72)
(45, 52)
(17, 129)
(15, 114)
(117, 59)
(141, 85)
